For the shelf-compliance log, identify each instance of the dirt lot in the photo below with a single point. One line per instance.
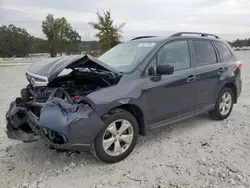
(198, 152)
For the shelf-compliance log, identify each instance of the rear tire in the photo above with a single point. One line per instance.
(118, 137)
(224, 104)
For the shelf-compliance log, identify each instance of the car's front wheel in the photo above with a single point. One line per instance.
(224, 104)
(118, 137)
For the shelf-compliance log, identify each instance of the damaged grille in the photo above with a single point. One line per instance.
(42, 97)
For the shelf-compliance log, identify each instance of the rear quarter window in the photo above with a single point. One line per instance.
(224, 52)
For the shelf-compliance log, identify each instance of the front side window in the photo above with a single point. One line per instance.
(175, 54)
(224, 52)
(204, 53)
(126, 56)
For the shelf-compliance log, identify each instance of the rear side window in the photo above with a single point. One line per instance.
(204, 53)
(224, 52)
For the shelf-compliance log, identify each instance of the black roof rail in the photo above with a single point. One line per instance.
(194, 33)
(141, 37)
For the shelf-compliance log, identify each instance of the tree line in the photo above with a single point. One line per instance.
(60, 37)
(240, 42)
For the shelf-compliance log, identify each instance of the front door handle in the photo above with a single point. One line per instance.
(191, 78)
(220, 70)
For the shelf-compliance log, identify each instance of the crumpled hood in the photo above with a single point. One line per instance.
(50, 68)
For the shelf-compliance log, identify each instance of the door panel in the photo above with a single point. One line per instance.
(208, 78)
(170, 97)
(208, 72)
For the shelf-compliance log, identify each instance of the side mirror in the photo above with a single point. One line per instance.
(165, 69)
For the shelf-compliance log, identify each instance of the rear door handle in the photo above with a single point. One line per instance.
(220, 70)
(191, 78)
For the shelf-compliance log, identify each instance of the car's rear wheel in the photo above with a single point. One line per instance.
(118, 138)
(224, 104)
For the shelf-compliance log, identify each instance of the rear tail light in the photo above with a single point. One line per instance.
(239, 64)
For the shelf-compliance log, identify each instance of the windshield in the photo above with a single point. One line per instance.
(126, 56)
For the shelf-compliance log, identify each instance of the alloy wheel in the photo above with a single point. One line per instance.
(118, 137)
(225, 103)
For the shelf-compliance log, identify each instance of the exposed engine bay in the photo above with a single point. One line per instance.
(79, 82)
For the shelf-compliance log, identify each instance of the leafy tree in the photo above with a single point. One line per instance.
(50, 28)
(109, 34)
(73, 42)
(59, 34)
(15, 41)
(64, 33)
(40, 45)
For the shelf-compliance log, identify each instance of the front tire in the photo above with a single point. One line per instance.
(118, 137)
(224, 104)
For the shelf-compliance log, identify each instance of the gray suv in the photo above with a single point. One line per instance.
(83, 103)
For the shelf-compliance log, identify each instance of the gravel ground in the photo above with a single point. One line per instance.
(196, 153)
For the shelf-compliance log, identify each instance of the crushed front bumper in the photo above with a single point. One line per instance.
(19, 134)
(21, 123)
(63, 125)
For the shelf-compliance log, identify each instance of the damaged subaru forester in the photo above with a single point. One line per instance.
(83, 103)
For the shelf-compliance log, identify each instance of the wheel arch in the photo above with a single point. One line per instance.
(136, 112)
(233, 87)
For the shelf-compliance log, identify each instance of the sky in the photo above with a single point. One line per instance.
(227, 18)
